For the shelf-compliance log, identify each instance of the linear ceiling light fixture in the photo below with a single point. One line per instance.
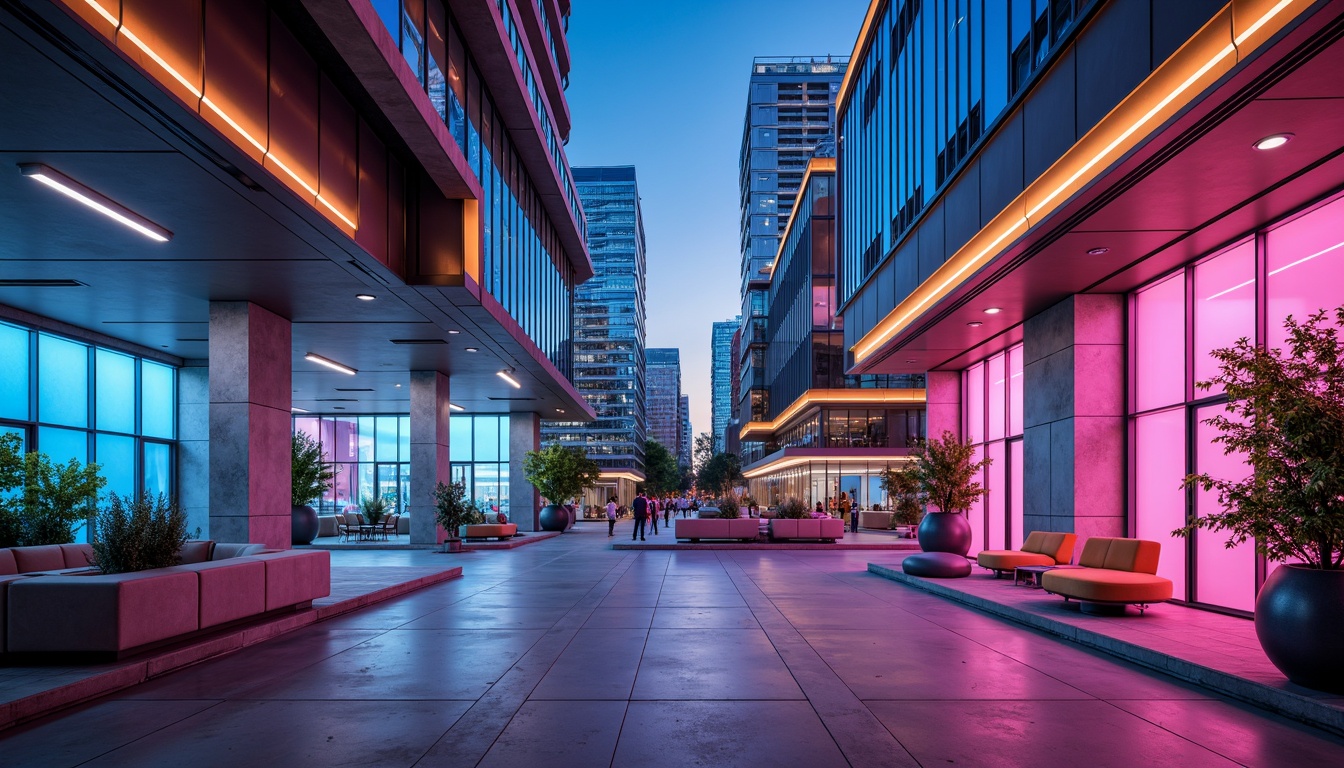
(332, 364)
(507, 375)
(95, 200)
(451, 406)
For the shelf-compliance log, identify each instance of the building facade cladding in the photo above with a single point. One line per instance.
(1083, 387)
(687, 436)
(609, 357)
(790, 108)
(524, 265)
(664, 396)
(720, 379)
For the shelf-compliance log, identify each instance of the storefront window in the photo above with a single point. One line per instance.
(992, 394)
(366, 451)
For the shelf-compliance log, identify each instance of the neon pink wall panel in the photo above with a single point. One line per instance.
(1223, 576)
(1015, 390)
(997, 501)
(1159, 503)
(1306, 267)
(997, 382)
(975, 403)
(1224, 299)
(1015, 535)
(1159, 354)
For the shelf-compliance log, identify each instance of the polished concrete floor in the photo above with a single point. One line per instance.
(568, 653)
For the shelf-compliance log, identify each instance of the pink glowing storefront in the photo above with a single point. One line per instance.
(1065, 322)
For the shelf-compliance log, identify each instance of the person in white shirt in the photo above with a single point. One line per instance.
(611, 517)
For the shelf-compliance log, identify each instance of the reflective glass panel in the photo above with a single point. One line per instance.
(62, 382)
(158, 400)
(114, 391)
(13, 373)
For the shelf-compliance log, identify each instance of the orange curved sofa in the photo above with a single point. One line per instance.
(499, 531)
(1040, 548)
(1115, 572)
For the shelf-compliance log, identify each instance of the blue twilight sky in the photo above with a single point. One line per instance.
(662, 86)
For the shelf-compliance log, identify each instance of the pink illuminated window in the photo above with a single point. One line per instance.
(995, 405)
(975, 404)
(1224, 299)
(1159, 344)
(1159, 504)
(1015, 533)
(996, 503)
(1223, 576)
(1305, 263)
(976, 515)
(1015, 390)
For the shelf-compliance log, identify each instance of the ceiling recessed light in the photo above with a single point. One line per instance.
(472, 349)
(1098, 251)
(1273, 142)
(455, 407)
(975, 324)
(332, 364)
(993, 310)
(507, 375)
(398, 386)
(559, 410)
(453, 332)
(95, 200)
(365, 296)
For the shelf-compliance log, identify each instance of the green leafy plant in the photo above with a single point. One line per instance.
(791, 508)
(374, 508)
(944, 472)
(660, 467)
(729, 508)
(136, 533)
(903, 494)
(720, 474)
(44, 500)
(451, 509)
(1285, 416)
(310, 477)
(559, 473)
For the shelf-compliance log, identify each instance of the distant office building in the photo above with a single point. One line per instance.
(687, 442)
(732, 443)
(721, 385)
(790, 108)
(609, 335)
(664, 396)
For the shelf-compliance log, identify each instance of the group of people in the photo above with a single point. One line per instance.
(648, 508)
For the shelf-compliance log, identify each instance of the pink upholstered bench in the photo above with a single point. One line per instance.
(822, 528)
(100, 614)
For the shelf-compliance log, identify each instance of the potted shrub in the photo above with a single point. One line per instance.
(309, 478)
(374, 509)
(729, 508)
(559, 474)
(137, 533)
(1285, 417)
(452, 511)
(791, 508)
(48, 500)
(903, 495)
(943, 472)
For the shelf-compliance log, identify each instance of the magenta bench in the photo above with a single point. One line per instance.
(819, 529)
(695, 529)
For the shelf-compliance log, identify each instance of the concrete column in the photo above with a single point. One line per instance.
(524, 501)
(249, 458)
(1074, 417)
(943, 402)
(429, 451)
(193, 445)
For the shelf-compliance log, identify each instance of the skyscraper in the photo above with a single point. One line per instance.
(687, 441)
(721, 378)
(664, 396)
(790, 109)
(609, 334)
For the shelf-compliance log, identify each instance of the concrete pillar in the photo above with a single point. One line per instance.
(429, 451)
(1074, 417)
(193, 445)
(943, 403)
(524, 502)
(249, 458)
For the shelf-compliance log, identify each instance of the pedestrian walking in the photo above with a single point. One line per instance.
(611, 516)
(684, 504)
(641, 510)
(667, 512)
(653, 514)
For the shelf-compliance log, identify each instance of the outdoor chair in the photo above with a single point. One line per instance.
(389, 527)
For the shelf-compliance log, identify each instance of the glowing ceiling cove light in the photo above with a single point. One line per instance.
(507, 375)
(332, 364)
(98, 202)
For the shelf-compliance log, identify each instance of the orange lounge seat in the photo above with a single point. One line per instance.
(1040, 548)
(499, 531)
(1115, 571)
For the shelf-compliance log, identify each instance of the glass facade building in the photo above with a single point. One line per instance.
(721, 379)
(609, 314)
(686, 441)
(370, 454)
(664, 396)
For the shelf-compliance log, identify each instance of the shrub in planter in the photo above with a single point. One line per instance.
(374, 509)
(729, 509)
(792, 508)
(903, 494)
(136, 533)
(310, 477)
(451, 509)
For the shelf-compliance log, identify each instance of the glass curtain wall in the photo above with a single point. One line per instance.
(478, 447)
(992, 394)
(1245, 290)
(823, 481)
(372, 456)
(935, 78)
(73, 400)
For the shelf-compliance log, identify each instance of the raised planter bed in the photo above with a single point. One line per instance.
(695, 529)
(820, 529)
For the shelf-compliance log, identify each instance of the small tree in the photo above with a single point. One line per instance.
(1286, 417)
(451, 508)
(45, 499)
(136, 533)
(310, 477)
(560, 473)
(903, 494)
(720, 474)
(944, 472)
(660, 468)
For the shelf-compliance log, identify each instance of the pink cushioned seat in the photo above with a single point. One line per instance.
(77, 555)
(296, 577)
(48, 558)
(230, 589)
(7, 565)
(103, 613)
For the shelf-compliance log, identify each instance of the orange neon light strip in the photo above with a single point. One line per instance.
(192, 87)
(101, 11)
(1212, 52)
(814, 397)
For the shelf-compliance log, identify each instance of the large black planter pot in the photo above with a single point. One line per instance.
(1299, 618)
(571, 516)
(303, 526)
(554, 518)
(945, 532)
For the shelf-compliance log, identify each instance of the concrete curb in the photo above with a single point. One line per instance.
(1292, 705)
(910, 546)
(163, 661)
